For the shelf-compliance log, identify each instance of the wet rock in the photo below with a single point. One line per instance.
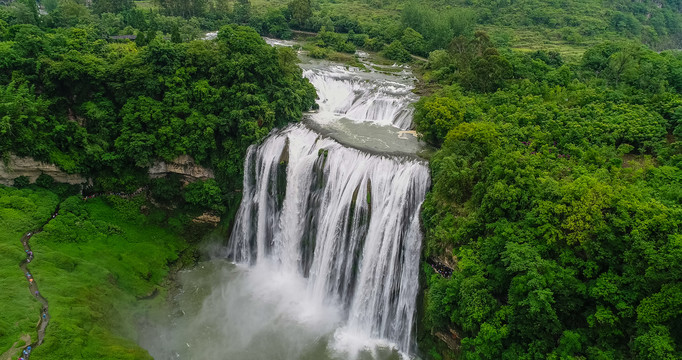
(450, 338)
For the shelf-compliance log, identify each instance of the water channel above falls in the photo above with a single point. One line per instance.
(324, 256)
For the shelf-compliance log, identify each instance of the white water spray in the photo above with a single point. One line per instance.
(362, 96)
(346, 220)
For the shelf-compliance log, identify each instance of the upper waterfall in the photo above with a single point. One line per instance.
(346, 220)
(363, 96)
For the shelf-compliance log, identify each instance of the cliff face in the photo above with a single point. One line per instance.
(183, 165)
(26, 166)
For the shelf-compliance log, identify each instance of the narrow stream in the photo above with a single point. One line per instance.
(44, 316)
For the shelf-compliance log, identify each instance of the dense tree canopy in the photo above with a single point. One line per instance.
(557, 198)
(95, 107)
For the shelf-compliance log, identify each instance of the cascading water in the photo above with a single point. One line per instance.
(347, 220)
(326, 241)
(362, 96)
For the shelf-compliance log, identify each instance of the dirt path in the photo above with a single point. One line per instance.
(300, 32)
(33, 287)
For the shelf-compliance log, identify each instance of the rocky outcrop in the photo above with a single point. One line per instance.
(207, 218)
(451, 339)
(25, 166)
(17, 166)
(183, 165)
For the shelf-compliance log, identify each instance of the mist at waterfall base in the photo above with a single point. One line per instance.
(228, 311)
(323, 259)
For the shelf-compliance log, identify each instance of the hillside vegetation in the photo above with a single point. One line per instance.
(110, 109)
(566, 26)
(557, 197)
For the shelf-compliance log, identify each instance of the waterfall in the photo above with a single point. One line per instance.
(323, 259)
(363, 96)
(345, 220)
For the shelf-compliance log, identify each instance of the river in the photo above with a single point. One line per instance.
(323, 260)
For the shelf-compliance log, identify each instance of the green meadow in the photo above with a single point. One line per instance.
(100, 264)
(20, 211)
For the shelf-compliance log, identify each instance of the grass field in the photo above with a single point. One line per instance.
(93, 263)
(20, 211)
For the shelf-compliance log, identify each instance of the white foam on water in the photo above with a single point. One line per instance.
(362, 96)
(345, 220)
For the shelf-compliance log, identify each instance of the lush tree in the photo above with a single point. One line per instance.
(435, 117)
(437, 26)
(204, 194)
(184, 8)
(301, 11)
(69, 13)
(396, 51)
(45, 181)
(111, 6)
(413, 41)
(175, 35)
(21, 182)
(242, 11)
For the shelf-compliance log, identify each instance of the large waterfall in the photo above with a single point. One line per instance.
(347, 220)
(323, 259)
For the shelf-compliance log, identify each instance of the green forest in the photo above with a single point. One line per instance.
(108, 109)
(556, 192)
(556, 184)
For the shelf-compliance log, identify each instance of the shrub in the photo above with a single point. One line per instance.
(396, 51)
(318, 53)
(205, 194)
(21, 182)
(45, 181)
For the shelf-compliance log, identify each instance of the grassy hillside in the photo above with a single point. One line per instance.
(95, 260)
(20, 212)
(93, 263)
(568, 26)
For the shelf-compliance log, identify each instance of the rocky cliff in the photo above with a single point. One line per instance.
(26, 166)
(183, 165)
